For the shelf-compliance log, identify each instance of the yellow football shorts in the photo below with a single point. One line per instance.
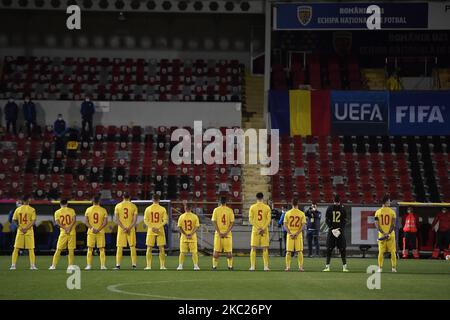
(258, 240)
(159, 240)
(294, 245)
(387, 245)
(66, 241)
(96, 239)
(223, 244)
(186, 247)
(24, 241)
(124, 239)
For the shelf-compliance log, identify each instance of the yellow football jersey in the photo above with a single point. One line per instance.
(385, 218)
(125, 212)
(155, 216)
(24, 215)
(224, 217)
(295, 219)
(188, 221)
(96, 215)
(65, 216)
(260, 216)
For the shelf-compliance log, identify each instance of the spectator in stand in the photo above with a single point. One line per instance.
(11, 113)
(410, 229)
(443, 232)
(59, 126)
(87, 115)
(29, 114)
(393, 82)
(313, 222)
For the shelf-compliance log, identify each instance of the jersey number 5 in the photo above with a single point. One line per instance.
(260, 216)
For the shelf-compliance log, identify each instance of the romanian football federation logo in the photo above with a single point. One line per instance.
(304, 14)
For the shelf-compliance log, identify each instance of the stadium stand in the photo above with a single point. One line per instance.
(120, 158)
(363, 168)
(123, 79)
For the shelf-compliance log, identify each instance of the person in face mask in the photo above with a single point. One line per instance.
(59, 126)
(87, 114)
(11, 113)
(29, 114)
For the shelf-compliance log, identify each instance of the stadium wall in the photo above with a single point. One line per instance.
(213, 114)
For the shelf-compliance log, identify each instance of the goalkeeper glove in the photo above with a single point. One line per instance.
(336, 233)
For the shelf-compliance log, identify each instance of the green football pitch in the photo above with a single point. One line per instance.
(416, 279)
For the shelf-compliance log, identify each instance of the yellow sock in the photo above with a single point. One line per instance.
(162, 257)
(102, 257)
(195, 258)
(230, 262)
(133, 255)
(215, 262)
(394, 259)
(14, 257)
(56, 257)
(181, 259)
(288, 260)
(300, 259)
(266, 257)
(71, 257)
(119, 255)
(148, 257)
(89, 257)
(252, 258)
(380, 259)
(32, 257)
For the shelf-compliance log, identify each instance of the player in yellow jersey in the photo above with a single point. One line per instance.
(155, 217)
(385, 220)
(188, 224)
(294, 223)
(96, 220)
(259, 216)
(223, 220)
(65, 218)
(126, 214)
(25, 217)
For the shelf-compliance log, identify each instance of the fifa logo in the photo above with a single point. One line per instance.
(374, 280)
(74, 281)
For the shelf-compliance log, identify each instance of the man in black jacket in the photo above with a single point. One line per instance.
(336, 218)
(87, 114)
(11, 113)
(313, 217)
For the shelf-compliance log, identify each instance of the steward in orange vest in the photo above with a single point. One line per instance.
(410, 229)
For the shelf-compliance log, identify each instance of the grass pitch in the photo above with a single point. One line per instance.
(416, 279)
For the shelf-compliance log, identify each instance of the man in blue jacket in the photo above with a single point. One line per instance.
(87, 114)
(11, 113)
(29, 113)
(59, 126)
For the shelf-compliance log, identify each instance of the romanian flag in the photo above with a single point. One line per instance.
(300, 112)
